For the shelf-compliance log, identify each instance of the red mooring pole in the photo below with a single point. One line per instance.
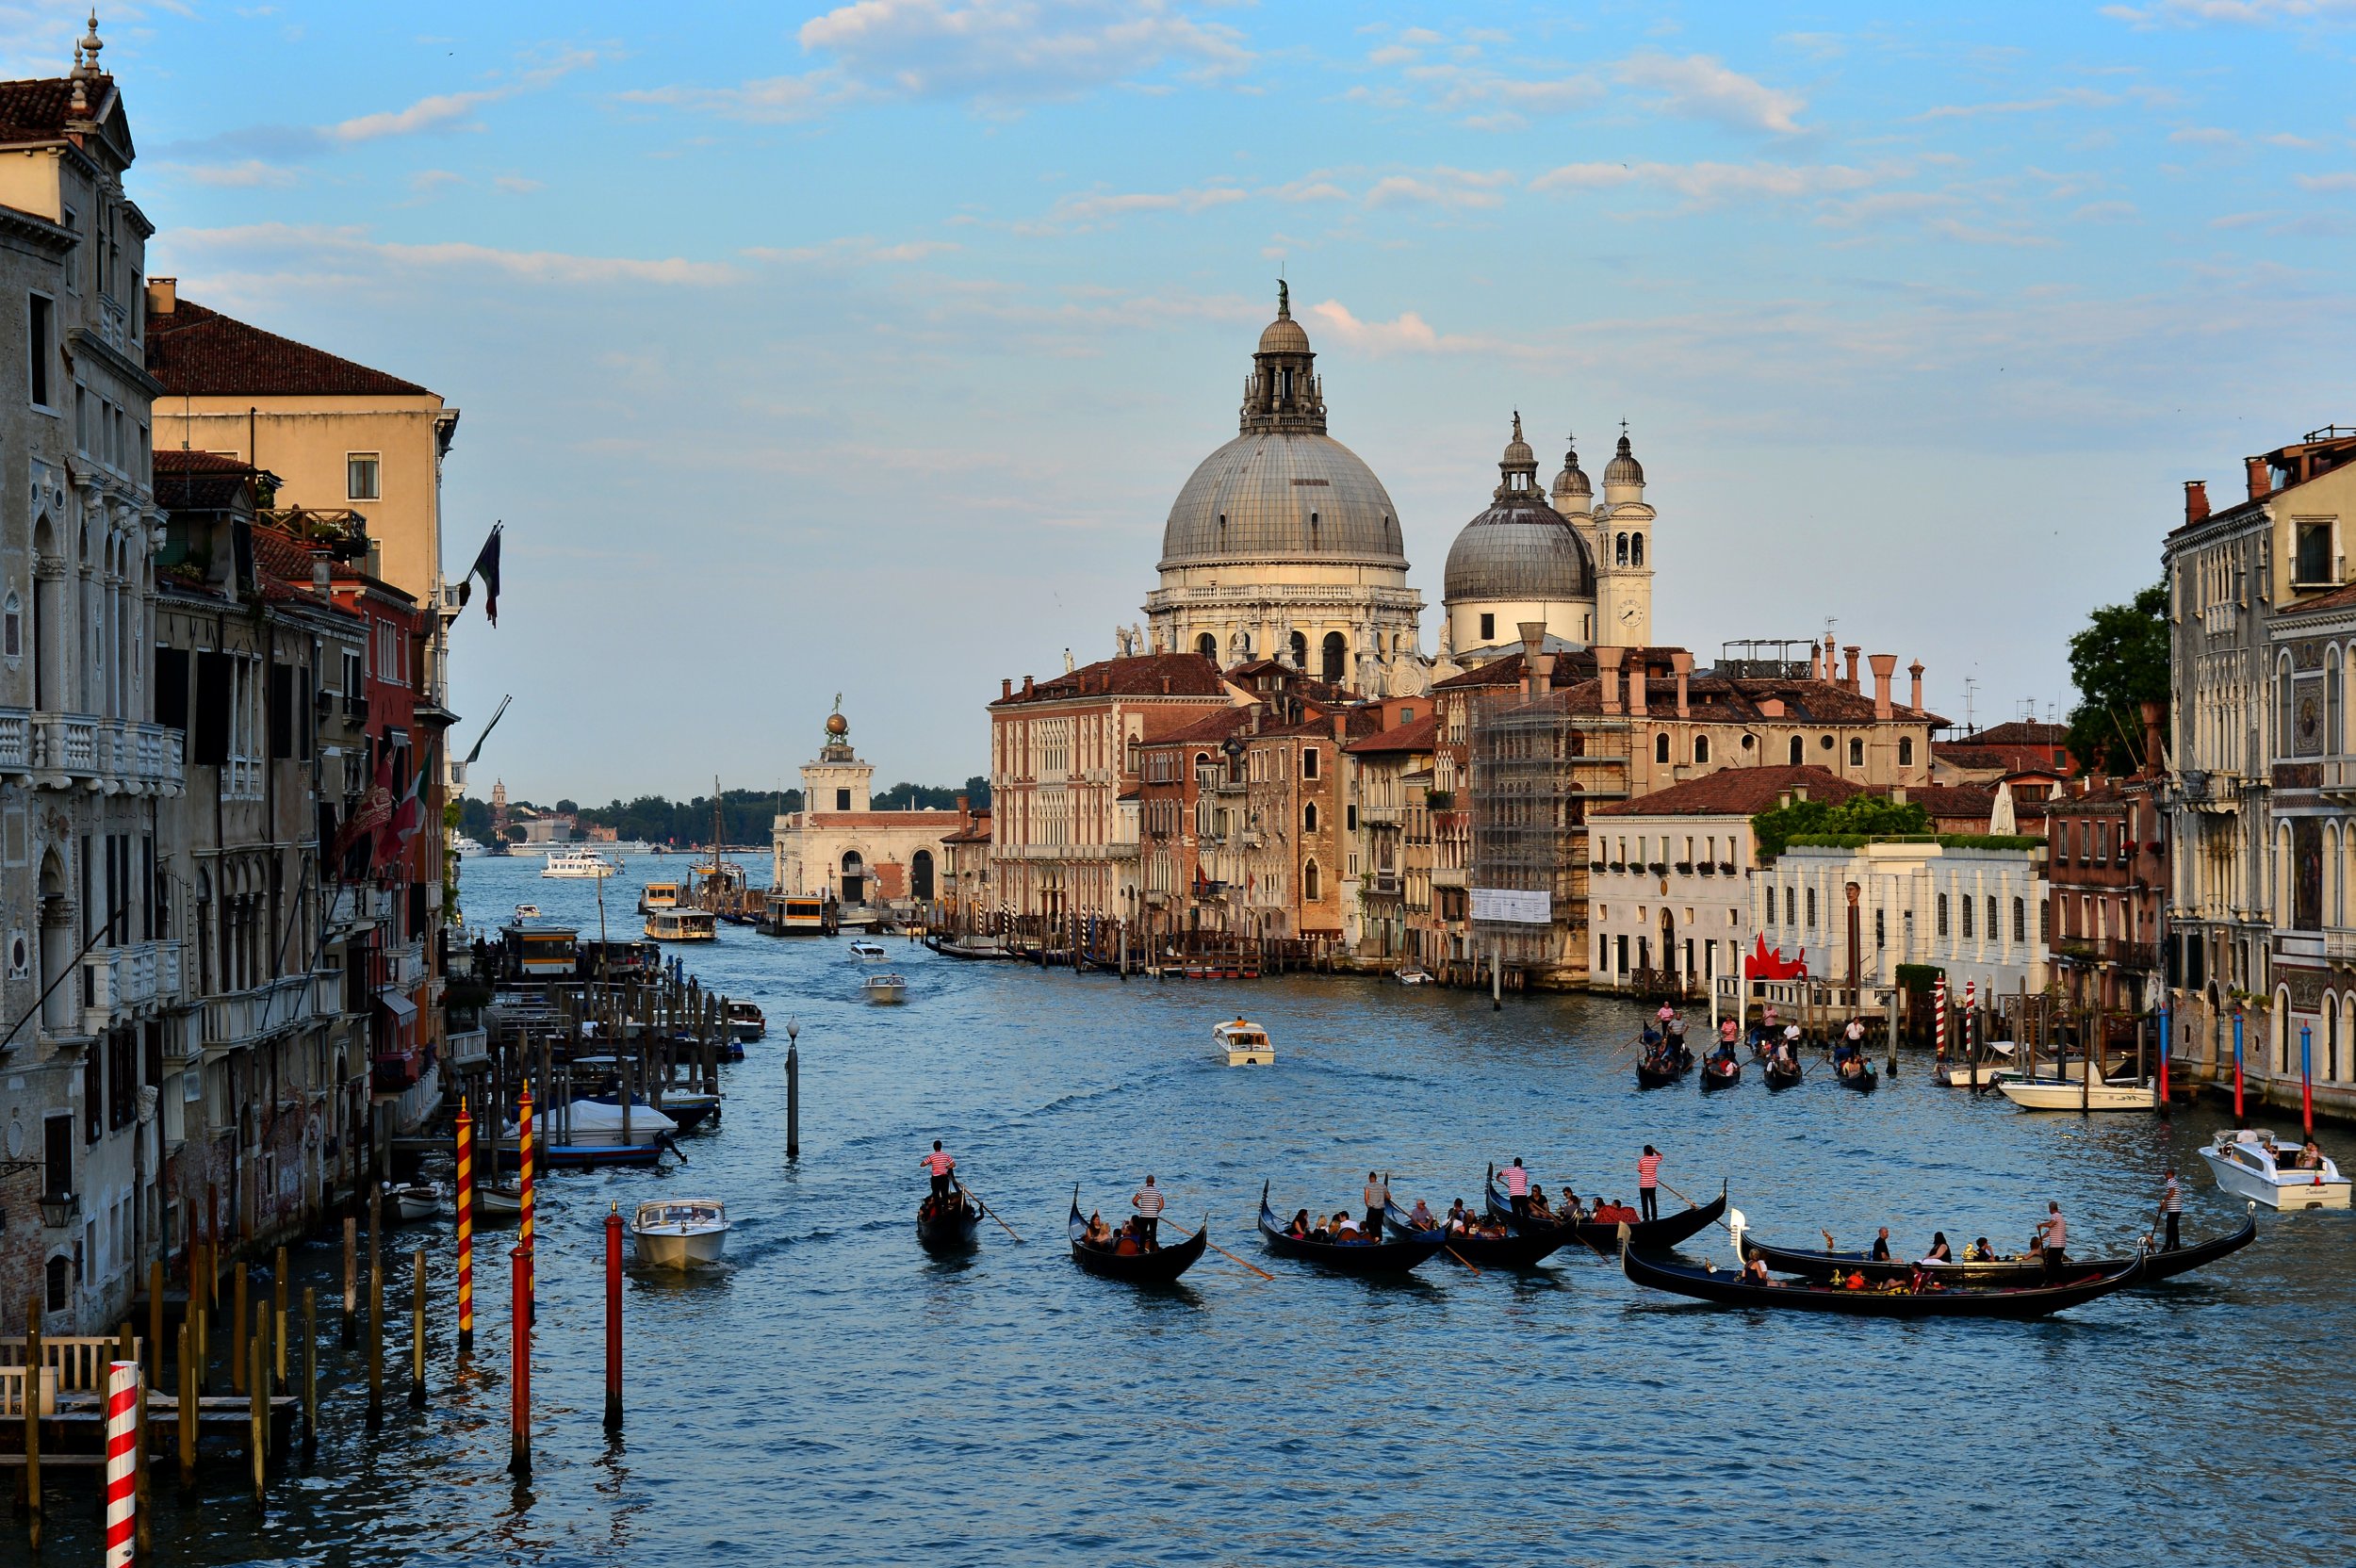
(613, 1318)
(519, 1397)
(465, 1228)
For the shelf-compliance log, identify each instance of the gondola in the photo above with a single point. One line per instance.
(1513, 1249)
(1651, 1235)
(950, 1230)
(1865, 1081)
(2009, 1271)
(1728, 1288)
(1783, 1075)
(1364, 1257)
(1160, 1267)
(1651, 1077)
(1713, 1079)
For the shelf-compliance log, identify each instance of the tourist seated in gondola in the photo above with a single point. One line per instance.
(1299, 1228)
(1129, 1244)
(1345, 1226)
(1420, 1217)
(1856, 1280)
(1319, 1232)
(1880, 1252)
(1979, 1251)
(1099, 1233)
(1755, 1273)
(1538, 1209)
(1572, 1212)
(1940, 1251)
(1458, 1220)
(1651, 1039)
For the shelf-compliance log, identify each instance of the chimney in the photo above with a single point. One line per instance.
(322, 574)
(965, 812)
(1915, 670)
(1608, 676)
(1636, 688)
(1832, 658)
(1799, 792)
(163, 296)
(1005, 688)
(1534, 637)
(1257, 708)
(1341, 728)
(2261, 482)
(2195, 500)
(1026, 685)
(1851, 682)
(1783, 800)
(1682, 662)
(1815, 662)
(2154, 747)
(1885, 671)
(1165, 685)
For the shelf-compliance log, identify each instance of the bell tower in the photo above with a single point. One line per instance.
(837, 780)
(1623, 535)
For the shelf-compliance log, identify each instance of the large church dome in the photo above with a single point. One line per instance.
(1283, 488)
(1520, 548)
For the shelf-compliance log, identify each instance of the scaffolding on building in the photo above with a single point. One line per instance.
(1536, 768)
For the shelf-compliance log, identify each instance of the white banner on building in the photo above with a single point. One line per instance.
(1510, 905)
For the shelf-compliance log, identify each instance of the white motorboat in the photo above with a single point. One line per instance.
(886, 988)
(527, 911)
(596, 1125)
(2256, 1164)
(496, 1201)
(463, 847)
(2076, 1094)
(1412, 975)
(866, 951)
(417, 1201)
(1241, 1043)
(577, 863)
(1990, 1071)
(679, 1232)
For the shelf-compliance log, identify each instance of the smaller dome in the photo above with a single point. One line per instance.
(1517, 452)
(1572, 481)
(1624, 468)
(1284, 336)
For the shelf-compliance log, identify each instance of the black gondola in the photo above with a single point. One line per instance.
(1715, 1077)
(1513, 1249)
(1728, 1287)
(1604, 1237)
(1782, 1075)
(1160, 1267)
(950, 1229)
(2157, 1265)
(1652, 1074)
(1359, 1257)
(1864, 1080)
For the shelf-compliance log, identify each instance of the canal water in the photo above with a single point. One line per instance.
(832, 1396)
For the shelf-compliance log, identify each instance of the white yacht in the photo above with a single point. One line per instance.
(577, 863)
(679, 1232)
(2076, 1094)
(1243, 1044)
(2255, 1164)
(461, 846)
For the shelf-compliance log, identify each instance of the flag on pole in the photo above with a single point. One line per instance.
(486, 733)
(486, 566)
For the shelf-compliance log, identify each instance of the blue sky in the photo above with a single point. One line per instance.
(864, 349)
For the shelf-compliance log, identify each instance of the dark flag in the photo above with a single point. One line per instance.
(486, 566)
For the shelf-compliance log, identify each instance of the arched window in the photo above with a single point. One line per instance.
(1635, 549)
(1799, 751)
(1334, 662)
(1299, 644)
(1906, 751)
(1991, 917)
(921, 873)
(1660, 747)
(1311, 889)
(1207, 645)
(1701, 748)
(1309, 817)
(1620, 551)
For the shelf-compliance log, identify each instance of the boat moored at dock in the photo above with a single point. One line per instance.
(682, 925)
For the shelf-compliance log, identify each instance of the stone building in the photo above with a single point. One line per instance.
(964, 899)
(2107, 871)
(1282, 543)
(1517, 562)
(1389, 784)
(94, 946)
(837, 845)
(1975, 910)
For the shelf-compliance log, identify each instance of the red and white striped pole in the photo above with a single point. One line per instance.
(465, 1228)
(523, 1145)
(1971, 1002)
(1939, 1008)
(123, 1459)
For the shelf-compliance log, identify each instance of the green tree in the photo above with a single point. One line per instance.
(1869, 814)
(2119, 662)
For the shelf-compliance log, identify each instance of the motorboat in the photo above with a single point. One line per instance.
(527, 911)
(498, 1201)
(2254, 1164)
(682, 925)
(415, 1202)
(679, 1232)
(589, 1123)
(690, 1109)
(747, 1022)
(886, 988)
(1242, 1044)
(1412, 975)
(577, 863)
(864, 951)
(464, 847)
(2076, 1094)
(1985, 1072)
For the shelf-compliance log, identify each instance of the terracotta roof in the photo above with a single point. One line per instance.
(1190, 675)
(199, 481)
(978, 834)
(2014, 760)
(37, 110)
(1210, 726)
(2338, 599)
(2018, 732)
(200, 353)
(1419, 735)
(1733, 792)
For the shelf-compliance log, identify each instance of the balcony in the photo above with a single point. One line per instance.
(468, 1046)
(2339, 775)
(109, 755)
(359, 906)
(1448, 876)
(126, 984)
(400, 968)
(244, 1017)
(1382, 816)
(1386, 883)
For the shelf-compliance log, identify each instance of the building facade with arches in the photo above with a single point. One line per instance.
(838, 846)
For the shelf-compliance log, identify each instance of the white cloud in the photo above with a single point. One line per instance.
(425, 182)
(446, 110)
(246, 175)
(2327, 182)
(1005, 51)
(1708, 183)
(862, 249)
(1699, 87)
(293, 246)
(2247, 13)
(1442, 186)
(1097, 206)
(770, 100)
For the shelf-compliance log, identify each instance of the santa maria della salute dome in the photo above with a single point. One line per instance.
(1284, 545)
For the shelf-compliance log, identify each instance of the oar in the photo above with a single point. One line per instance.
(986, 1209)
(1230, 1256)
(1720, 1220)
(1460, 1257)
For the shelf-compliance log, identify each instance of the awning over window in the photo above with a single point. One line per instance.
(399, 1006)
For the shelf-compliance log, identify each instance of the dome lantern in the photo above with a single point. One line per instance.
(1573, 494)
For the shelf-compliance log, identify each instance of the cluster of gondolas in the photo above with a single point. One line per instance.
(1664, 1058)
(1504, 1236)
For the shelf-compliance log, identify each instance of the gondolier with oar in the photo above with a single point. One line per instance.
(943, 1166)
(2172, 1206)
(1146, 1200)
(1518, 1190)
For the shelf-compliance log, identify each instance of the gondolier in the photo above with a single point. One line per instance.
(2172, 1206)
(1518, 1190)
(1377, 1196)
(2055, 1229)
(1146, 1200)
(1649, 1182)
(942, 1166)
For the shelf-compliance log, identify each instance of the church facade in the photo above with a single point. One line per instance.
(839, 845)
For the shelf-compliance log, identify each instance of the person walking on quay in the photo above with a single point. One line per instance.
(1146, 1200)
(1518, 1190)
(943, 1165)
(1377, 1196)
(2172, 1206)
(2055, 1229)
(1649, 1182)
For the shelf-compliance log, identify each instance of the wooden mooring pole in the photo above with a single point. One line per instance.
(416, 1329)
(352, 1274)
(186, 1421)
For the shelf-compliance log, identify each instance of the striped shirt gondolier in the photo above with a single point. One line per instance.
(1647, 1170)
(1148, 1202)
(2172, 1197)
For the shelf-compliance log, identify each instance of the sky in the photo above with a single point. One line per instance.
(862, 350)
